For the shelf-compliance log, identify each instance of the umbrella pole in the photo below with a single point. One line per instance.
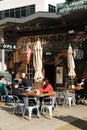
(37, 85)
(71, 82)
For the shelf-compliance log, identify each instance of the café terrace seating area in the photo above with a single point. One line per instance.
(62, 93)
(32, 102)
(59, 109)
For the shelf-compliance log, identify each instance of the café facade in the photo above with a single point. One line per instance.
(55, 32)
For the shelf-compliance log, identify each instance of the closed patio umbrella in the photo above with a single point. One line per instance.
(37, 61)
(71, 63)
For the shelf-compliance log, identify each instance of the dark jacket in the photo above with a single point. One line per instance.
(26, 83)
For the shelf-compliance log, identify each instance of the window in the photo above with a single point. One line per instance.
(2, 14)
(30, 71)
(27, 10)
(12, 14)
(6, 13)
(52, 8)
(23, 11)
(18, 12)
(32, 9)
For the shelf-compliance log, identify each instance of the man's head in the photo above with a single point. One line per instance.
(23, 75)
(2, 77)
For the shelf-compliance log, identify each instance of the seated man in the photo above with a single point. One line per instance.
(26, 82)
(16, 90)
(3, 90)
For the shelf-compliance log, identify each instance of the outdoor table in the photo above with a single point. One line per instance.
(75, 89)
(70, 88)
(38, 96)
(34, 94)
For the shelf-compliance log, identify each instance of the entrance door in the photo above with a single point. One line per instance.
(50, 74)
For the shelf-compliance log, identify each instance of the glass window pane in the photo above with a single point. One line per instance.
(2, 14)
(32, 9)
(12, 14)
(6, 13)
(27, 10)
(17, 12)
(23, 11)
(52, 8)
(30, 71)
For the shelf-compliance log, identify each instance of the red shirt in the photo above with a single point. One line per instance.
(47, 88)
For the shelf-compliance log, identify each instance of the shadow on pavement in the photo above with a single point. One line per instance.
(74, 123)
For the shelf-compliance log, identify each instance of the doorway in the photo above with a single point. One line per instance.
(50, 74)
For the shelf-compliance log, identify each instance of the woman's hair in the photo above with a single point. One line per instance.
(47, 81)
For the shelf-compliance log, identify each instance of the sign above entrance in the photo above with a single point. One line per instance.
(8, 46)
(71, 6)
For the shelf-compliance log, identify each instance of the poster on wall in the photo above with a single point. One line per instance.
(59, 75)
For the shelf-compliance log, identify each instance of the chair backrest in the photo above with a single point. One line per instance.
(30, 101)
(69, 93)
(54, 100)
(49, 101)
(16, 99)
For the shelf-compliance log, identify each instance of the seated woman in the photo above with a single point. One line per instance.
(46, 87)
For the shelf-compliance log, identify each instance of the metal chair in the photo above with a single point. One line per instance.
(2, 98)
(30, 104)
(69, 98)
(49, 104)
(60, 98)
(18, 106)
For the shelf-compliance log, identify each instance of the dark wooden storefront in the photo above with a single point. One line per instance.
(55, 39)
(54, 54)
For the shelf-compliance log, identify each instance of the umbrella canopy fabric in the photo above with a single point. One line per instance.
(71, 63)
(37, 61)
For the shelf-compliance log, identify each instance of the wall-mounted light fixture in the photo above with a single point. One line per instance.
(71, 31)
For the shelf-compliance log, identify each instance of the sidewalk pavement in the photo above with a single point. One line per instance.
(74, 118)
(80, 124)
